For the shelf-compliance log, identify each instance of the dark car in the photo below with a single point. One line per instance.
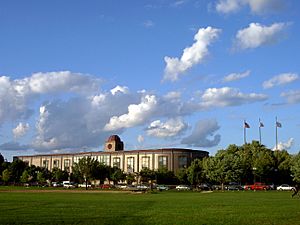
(204, 187)
(233, 186)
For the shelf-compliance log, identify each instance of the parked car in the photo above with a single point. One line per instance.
(161, 187)
(56, 184)
(68, 184)
(142, 187)
(183, 187)
(216, 187)
(107, 186)
(257, 186)
(233, 186)
(84, 185)
(285, 187)
(204, 187)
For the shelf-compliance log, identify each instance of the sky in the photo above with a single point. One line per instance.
(160, 73)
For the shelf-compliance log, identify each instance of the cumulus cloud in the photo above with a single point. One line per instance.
(203, 134)
(137, 113)
(256, 6)
(170, 128)
(226, 96)
(192, 55)
(280, 79)
(120, 89)
(236, 76)
(257, 35)
(20, 130)
(285, 146)
(292, 97)
(16, 95)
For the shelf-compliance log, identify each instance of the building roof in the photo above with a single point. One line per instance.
(162, 150)
(113, 138)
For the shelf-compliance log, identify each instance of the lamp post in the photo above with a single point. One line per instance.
(254, 174)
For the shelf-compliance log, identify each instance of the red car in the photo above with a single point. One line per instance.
(257, 186)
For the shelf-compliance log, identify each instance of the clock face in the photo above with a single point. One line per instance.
(109, 146)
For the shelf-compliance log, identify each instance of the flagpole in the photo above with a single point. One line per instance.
(259, 128)
(276, 133)
(244, 132)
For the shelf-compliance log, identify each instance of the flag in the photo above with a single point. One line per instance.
(246, 125)
(261, 124)
(278, 124)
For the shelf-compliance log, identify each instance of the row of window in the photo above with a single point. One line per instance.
(145, 160)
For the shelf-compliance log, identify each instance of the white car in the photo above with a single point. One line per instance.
(183, 187)
(84, 186)
(285, 187)
(68, 184)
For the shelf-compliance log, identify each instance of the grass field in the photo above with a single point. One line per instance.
(170, 207)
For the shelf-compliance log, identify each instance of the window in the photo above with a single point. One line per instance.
(130, 164)
(67, 165)
(104, 159)
(145, 161)
(117, 162)
(162, 162)
(182, 160)
(55, 163)
(46, 164)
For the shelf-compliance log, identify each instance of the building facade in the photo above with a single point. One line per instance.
(130, 161)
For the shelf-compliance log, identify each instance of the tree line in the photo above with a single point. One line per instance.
(242, 164)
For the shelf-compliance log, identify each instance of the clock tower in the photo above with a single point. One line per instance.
(114, 143)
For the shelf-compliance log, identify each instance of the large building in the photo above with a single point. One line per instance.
(129, 161)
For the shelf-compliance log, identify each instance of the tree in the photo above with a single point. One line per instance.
(195, 173)
(86, 169)
(182, 176)
(41, 177)
(16, 168)
(147, 175)
(6, 176)
(25, 177)
(224, 167)
(1, 162)
(295, 168)
(116, 174)
(165, 176)
(282, 170)
(59, 175)
(130, 178)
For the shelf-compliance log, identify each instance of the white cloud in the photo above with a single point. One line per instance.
(140, 139)
(119, 89)
(170, 128)
(148, 24)
(16, 95)
(137, 114)
(292, 97)
(192, 55)
(20, 130)
(280, 79)
(285, 146)
(236, 76)
(203, 134)
(256, 6)
(228, 6)
(226, 96)
(257, 35)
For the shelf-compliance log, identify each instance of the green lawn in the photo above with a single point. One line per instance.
(168, 207)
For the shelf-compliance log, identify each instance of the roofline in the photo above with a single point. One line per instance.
(117, 152)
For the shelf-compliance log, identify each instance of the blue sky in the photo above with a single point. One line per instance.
(158, 73)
